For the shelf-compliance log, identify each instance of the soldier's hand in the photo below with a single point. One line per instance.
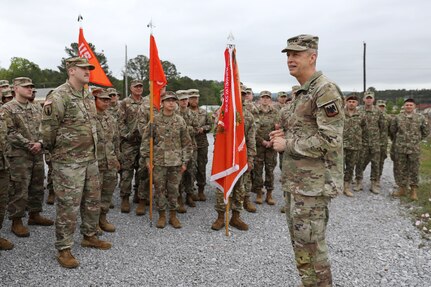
(183, 168)
(276, 133)
(279, 144)
(117, 165)
(35, 148)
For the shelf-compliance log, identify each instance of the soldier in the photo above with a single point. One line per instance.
(4, 180)
(108, 152)
(249, 105)
(7, 95)
(266, 157)
(4, 84)
(354, 123)
(371, 136)
(205, 122)
(408, 129)
(172, 152)
(51, 195)
(313, 159)
(384, 137)
(114, 106)
(130, 142)
(25, 156)
(240, 196)
(281, 100)
(70, 135)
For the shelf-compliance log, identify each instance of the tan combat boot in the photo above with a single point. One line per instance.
(400, 192)
(173, 220)
(358, 185)
(104, 224)
(161, 223)
(219, 223)
(195, 196)
(201, 195)
(189, 201)
(51, 198)
(375, 187)
(36, 219)
(111, 205)
(66, 259)
(248, 205)
(19, 229)
(413, 193)
(5, 244)
(125, 204)
(259, 199)
(346, 190)
(181, 206)
(236, 221)
(269, 200)
(141, 208)
(94, 242)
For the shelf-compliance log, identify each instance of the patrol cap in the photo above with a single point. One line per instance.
(243, 89)
(4, 83)
(6, 93)
(78, 62)
(95, 90)
(22, 82)
(381, 103)
(182, 94)
(135, 83)
(249, 90)
(369, 94)
(301, 42)
(281, 94)
(193, 93)
(112, 92)
(265, 94)
(169, 95)
(352, 96)
(409, 100)
(103, 94)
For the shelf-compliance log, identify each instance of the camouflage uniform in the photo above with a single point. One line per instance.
(284, 115)
(69, 133)
(26, 169)
(205, 123)
(352, 139)
(172, 149)
(384, 139)
(313, 168)
(4, 169)
(408, 130)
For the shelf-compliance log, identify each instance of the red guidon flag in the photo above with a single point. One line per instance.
(230, 151)
(97, 76)
(157, 75)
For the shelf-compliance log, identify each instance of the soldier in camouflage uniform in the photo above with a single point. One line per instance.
(25, 156)
(408, 129)
(4, 84)
(7, 95)
(4, 180)
(281, 100)
(205, 123)
(266, 157)
(113, 111)
(313, 167)
(172, 151)
(354, 123)
(371, 136)
(108, 152)
(69, 134)
(384, 137)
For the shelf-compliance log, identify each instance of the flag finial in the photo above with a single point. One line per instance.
(80, 18)
(151, 26)
(230, 39)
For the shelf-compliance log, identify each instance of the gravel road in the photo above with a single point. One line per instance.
(371, 242)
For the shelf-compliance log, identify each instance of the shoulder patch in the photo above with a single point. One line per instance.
(331, 109)
(47, 107)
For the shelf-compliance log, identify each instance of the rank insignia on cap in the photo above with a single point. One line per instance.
(331, 110)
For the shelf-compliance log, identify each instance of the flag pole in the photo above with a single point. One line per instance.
(227, 216)
(150, 172)
(126, 84)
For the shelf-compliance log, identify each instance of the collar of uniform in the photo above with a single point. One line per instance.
(306, 86)
(21, 105)
(346, 112)
(79, 94)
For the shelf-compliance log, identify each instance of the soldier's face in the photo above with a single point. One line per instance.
(352, 104)
(137, 90)
(249, 96)
(102, 104)
(300, 62)
(382, 108)
(369, 101)
(184, 103)
(409, 107)
(114, 99)
(194, 101)
(265, 101)
(282, 100)
(25, 92)
(82, 74)
(169, 105)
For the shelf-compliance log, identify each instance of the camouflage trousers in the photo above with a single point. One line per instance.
(395, 168)
(307, 218)
(26, 185)
(188, 179)
(166, 184)
(49, 185)
(280, 159)
(144, 181)
(129, 167)
(77, 188)
(408, 165)
(108, 182)
(201, 165)
(247, 182)
(4, 189)
(369, 154)
(351, 163)
(265, 158)
(236, 197)
(383, 156)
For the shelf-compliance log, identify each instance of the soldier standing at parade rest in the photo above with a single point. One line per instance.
(313, 167)
(205, 122)
(69, 133)
(25, 155)
(407, 130)
(384, 137)
(354, 123)
(172, 152)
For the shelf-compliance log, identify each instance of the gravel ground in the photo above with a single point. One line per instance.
(371, 242)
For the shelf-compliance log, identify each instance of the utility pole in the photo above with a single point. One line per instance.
(365, 72)
(125, 76)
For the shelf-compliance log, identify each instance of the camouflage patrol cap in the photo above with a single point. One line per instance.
(22, 82)
(410, 100)
(169, 95)
(78, 62)
(95, 90)
(282, 94)
(265, 94)
(112, 92)
(182, 94)
(103, 94)
(381, 103)
(369, 94)
(249, 90)
(193, 93)
(4, 83)
(135, 83)
(243, 89)
(6, 93)
(352, 96)
(301, 43)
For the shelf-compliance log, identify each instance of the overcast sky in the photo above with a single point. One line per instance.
(192, 34)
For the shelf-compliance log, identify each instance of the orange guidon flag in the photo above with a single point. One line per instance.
(157, 75)
(97, 76)
(230, 151)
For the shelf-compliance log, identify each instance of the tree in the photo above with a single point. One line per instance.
(21, 67)
(170, 70)
(138, 67)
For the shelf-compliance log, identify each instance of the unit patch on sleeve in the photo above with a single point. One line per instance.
(331, 109)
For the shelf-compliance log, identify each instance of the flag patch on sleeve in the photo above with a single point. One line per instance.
(331, 109)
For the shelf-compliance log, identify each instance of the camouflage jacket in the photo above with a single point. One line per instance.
(267, 123)
(192, 122)
(279, 106)
(128, 127)
(384, 135)
(374, 126)
(114, 111)
(172, 142)
(251, 107)
(250, 136)
(314, 149)
(353, 127)
(407, 130)
(284, 115)
(108, 150)
(23, 121)
(69, 125)
(3, 142)
(205, 122)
